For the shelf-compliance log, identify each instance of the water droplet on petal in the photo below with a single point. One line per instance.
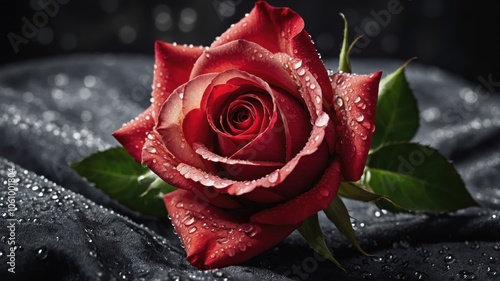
(192, 229)
(230, 252)
(188, 220)
(318, 99)
(242, 246)
(339, 102)
(296, 63)
(301, 71)
(151, 150)
(325, 192)
(357, 99)
(322, 120)
(360, 117)
(273, 177)
(222, 240)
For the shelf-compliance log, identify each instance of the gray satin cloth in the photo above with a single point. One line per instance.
(59, 110)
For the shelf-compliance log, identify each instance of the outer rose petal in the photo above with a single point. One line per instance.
(355, 104)
(173, 67)
(172, 115)
(213, 237)
(268, 26)
(133, 134)
(301, 207)
(162, 163)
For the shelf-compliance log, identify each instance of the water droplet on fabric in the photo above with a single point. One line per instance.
(449, 259)
(42, 253)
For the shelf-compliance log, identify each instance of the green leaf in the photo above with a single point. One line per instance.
(397, 110)
(416, 178)
(116, 173)
(311, 231)
(338, 214)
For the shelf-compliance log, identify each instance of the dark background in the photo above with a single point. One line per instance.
(458, 36)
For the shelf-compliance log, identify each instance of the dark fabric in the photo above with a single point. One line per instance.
(56, 111)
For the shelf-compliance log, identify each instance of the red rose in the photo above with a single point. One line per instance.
(253, 132)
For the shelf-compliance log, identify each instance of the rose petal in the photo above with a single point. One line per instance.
(296, 123)
(309, 90)
(248, 57)
(238, 147)
(173, 64)
(162, 163)
(301, 207)
(274, 178)
(279, 30)
(355, 104)
(133, 134)
(213, 237)
(204, 152)
(171, 116)
(268, 26)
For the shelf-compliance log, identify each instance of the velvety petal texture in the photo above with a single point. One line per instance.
(252, 132)
(355, 104)
(213, 237)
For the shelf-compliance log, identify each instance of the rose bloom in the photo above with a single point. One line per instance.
(254, 132)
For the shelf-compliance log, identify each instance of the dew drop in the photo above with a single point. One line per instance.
(242, 246)
(322, 120)
(357, 99)
(312, 86)
(318, 99)
(339, 102)
(42, 253)
(325, 192)
(296, 63)
(449, 259)
(273, 177)
(466, 275)
(188, 220)
(248, 229)
(151, 150)
(301, 71)
(222, 240)
(192, 229)
(179, 205)
(360, 117)
(181, 95)
(230, 252)
(493, 272)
